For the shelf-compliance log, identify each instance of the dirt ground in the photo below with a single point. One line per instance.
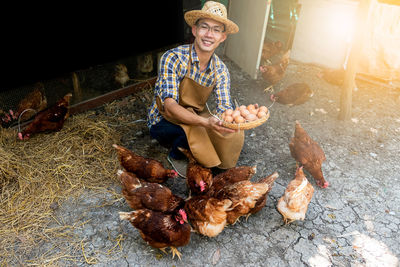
(354, 222)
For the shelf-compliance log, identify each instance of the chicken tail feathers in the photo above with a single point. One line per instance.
(269, 180)
(125, 215)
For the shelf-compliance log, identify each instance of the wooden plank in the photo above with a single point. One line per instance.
(101, 100)
(111, 96)
(348, 84)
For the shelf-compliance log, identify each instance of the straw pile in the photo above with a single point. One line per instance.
(39, 174)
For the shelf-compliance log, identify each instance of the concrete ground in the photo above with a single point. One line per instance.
(353, 222)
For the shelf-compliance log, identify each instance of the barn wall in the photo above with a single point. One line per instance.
(380, 52)
(323, 32)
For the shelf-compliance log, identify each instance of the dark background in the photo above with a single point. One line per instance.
(43, 41)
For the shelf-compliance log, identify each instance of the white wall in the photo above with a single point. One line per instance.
(245, 47)
(323, 32)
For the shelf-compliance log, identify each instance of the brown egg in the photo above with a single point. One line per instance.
(263, 108)
(254, 111)
(251, 117)
(235, 113)
(261, 114)
(239, 119)
(228, 118)
(250, 107)
(242, 107)
(244, 112)
(228, 112)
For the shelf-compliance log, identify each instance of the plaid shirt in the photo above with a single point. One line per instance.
(173, 68)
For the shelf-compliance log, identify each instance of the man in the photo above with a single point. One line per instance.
(188, 74)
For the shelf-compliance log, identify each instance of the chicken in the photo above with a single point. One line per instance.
(7, 118)
(50, 119)
(333, 76)
(274, 73)
(309, 154)
(293, 204)
(244, 196)
(231, 176)
(34, 102)
(121, 74)
(198, 178)
(144, 65)
(153, 196)
(207, 215)
(263, 199)
(150, 170)
(271, 49)
(294, 94)
(161, 230)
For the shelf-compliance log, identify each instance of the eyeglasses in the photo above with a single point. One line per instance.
(204, 27)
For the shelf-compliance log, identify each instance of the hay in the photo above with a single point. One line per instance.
(39, 174)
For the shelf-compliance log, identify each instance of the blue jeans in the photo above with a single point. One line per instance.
(170, 135)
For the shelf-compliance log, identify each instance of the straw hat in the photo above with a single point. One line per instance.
(212, 10)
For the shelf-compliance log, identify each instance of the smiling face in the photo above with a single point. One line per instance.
(208, 35)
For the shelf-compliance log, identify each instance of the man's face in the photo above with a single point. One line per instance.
(208, 34)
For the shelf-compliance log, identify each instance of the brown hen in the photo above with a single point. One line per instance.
(161, 230)
(231, 176)
(150, 170)
(274, 73)
(199, 178)
(293, 204)
(140, 194)
(50, 119)
(244, 196)
(271, 49)
(263, 199)
(333, 76)
(309, 154)
(207, 215)
(294, 94)
(32, 103)
(121, 74)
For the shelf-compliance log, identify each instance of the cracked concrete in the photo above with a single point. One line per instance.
(354, 222)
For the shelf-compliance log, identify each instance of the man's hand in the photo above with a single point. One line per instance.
(215, 124)
(175, 111)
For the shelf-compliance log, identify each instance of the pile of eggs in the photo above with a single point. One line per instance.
(244, 113)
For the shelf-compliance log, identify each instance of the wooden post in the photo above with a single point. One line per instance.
(77, 87)
(349, 78)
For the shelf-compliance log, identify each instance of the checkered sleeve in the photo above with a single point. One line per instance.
(222, 89)
(168, 80)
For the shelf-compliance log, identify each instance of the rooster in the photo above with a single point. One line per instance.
(198, 178)
(148, 169)
(161, 230)
(141, 194)
(309, 154)
(294, 94)
(293, 204)
(274, 73)
(50, 119)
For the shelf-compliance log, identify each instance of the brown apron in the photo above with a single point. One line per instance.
(209, 147)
